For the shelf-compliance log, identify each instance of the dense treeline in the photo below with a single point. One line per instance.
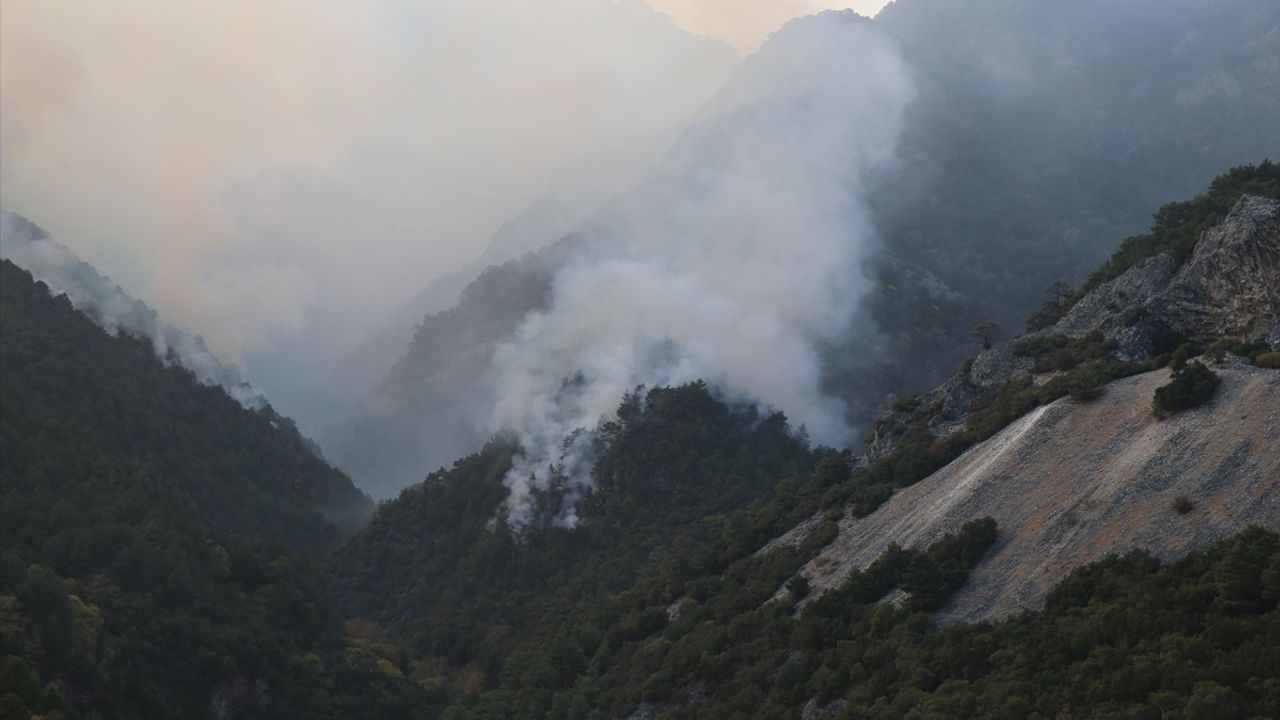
(441, 568)
(155, 539)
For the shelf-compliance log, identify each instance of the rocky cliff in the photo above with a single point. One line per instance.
(1230, 287)
(1076, 480)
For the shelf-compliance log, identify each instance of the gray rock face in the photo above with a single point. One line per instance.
(940, 408)
(996, 366)
(1112, 306)
(1231, 284)
(1229, 288)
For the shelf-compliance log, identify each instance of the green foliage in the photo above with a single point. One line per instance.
(1060, 352)
(1184, 352)
(982, 333)
(156, 539)
(1058, 300)
(677, 509)
(78, 403)
(1256, 352)
(1115, 639)
(1190, 387)
(932, 575)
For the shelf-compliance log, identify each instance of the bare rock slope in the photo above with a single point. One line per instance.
(1229, 287)
(1072, 482)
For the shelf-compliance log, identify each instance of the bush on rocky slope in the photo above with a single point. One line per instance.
(1190, 387)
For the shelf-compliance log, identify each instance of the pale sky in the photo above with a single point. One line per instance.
(744, 24)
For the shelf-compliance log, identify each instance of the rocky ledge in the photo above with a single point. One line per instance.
(1229, 287)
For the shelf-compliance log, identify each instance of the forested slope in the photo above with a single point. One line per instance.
(158, 538)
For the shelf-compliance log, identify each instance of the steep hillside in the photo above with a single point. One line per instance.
(1208, 270)
(421, 416)
(1074, 481)
(1082, 477)
(157, 538)
(72, 393)
(441, 566)
(719, 570)
(28, 246)
(1005, 182)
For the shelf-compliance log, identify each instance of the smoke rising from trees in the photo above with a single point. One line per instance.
(742, 253)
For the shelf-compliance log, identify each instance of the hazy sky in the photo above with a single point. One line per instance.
(253, 166)
(745, 23)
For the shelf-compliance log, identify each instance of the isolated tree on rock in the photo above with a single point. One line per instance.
(982, 332)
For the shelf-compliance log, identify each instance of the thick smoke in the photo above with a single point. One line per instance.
(281, 175)
(742, 254)
(115, 310)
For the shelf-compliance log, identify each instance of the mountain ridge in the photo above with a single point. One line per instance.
(958, 209)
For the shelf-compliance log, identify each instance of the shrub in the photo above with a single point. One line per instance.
(1190, 387)
(798, 586)
(1270, 360)
(1183, 505)
(1133, 315)
(1085, 382)
(906, 404)
(1185, 352)
(1062, 353)
(1218, 349)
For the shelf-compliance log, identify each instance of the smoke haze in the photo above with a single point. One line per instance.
(280, 176)
(744, 24)
(729, 266)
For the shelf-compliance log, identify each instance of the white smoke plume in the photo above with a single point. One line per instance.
(730, 265)
(115, 310)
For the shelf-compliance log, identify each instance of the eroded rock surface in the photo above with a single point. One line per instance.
(1072, 482)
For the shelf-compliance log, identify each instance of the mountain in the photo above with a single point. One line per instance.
(1080, 523)
(1029, 149)
(159, 539)
(419, 417)
(1084, 477)
(1041, 133)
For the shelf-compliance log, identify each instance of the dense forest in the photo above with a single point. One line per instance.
(159, 541)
